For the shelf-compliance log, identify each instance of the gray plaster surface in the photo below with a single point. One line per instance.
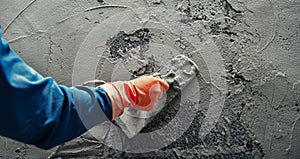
(250, 45)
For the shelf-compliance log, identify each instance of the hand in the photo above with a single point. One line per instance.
(141, 93)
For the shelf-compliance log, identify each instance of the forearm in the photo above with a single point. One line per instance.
(36, 110)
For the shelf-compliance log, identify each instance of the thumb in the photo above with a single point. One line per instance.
(163, 83)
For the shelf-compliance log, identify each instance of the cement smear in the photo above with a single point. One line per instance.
(258, 42)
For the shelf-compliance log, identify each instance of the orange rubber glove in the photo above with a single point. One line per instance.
(141, 93)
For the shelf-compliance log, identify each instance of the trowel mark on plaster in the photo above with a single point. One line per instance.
(274, 33)
(92, 9)
(66, 19)
(26, 36)
(105, 6)
(295, 140)
(27, 6)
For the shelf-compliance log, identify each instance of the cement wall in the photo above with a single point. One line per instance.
(257, 42)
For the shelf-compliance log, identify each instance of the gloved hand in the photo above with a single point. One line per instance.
(141, 93)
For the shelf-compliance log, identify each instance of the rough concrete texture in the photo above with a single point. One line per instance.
(258, 42)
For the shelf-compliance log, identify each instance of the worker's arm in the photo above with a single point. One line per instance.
(38, 111)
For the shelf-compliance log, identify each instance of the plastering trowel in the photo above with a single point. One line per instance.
(178, 74)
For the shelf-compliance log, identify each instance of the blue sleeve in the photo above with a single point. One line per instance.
(38, 111)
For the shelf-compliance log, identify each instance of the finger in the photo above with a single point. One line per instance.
(155, 74)
(163, 83)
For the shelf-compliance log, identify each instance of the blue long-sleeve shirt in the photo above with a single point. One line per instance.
(38, 111)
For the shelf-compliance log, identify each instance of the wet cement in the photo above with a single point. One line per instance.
(258, 42)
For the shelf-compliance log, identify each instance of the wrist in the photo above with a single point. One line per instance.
(115, 97)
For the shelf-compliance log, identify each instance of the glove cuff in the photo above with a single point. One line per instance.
(115, 99)
(118, 94)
